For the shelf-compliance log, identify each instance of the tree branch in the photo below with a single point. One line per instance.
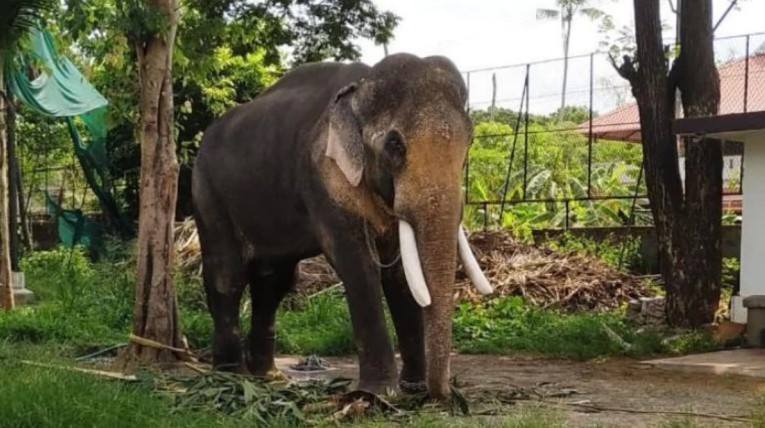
(627, 70)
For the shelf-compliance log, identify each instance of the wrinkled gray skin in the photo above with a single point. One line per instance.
(330, 154)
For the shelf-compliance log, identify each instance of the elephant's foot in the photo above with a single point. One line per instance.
(378, 377)
(259, 357)
(275, 375)
(262, 367)
(378, 387)
(412, 387)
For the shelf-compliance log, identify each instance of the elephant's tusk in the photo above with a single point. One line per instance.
(472, 268)
(412, 268)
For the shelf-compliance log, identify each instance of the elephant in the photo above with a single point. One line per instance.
(364, 165)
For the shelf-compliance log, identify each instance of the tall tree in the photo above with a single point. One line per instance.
(17, 17)
(155, 315)
(225, 53)
(566, 11)
(688, 222)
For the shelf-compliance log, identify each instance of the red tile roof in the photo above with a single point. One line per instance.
(623, 123)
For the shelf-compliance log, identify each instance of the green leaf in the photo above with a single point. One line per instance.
(17, 18)
(459, 402)
(249, 391)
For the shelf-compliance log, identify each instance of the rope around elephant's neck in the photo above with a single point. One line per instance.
(373, 250)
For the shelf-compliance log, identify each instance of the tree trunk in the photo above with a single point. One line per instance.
(6, 288)
(566, 40)
(13, 189)
(696, 299)
(688, 225)
(156, 313)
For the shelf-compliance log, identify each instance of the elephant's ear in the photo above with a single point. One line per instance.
(344, 142)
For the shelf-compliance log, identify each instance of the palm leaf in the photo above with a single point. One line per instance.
(576, 187)
(538, 181)
(17, 17)
(592, 13)
(547, 14)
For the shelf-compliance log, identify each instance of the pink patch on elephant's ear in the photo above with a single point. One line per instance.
(351, 165)
(344, 142)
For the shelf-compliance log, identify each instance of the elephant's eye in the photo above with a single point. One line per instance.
(394, 144)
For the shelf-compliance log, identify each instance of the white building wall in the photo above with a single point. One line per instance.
(753, 226)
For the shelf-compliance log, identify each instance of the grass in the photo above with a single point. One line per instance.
(507, 325)
(50, 398)
(83, 303)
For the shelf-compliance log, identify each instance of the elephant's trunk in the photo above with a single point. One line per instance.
(429, 255)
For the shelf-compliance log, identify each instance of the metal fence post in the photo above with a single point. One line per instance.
(486, 216)
(589, 133)
(467, 101)
(526, 133)
(512, 152)
(467, 174)
(746, 76)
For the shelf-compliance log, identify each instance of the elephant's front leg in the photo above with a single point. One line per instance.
(349, 254)
(407, 319)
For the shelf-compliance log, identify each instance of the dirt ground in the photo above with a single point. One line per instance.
(612, 384)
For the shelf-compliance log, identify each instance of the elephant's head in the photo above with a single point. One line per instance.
(403, 131)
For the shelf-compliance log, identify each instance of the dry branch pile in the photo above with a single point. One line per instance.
(542, 276)
(548, 278)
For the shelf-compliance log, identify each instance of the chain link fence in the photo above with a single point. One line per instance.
(557, 142)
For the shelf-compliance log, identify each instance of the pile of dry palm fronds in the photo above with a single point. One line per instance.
(542, 276)
(548, 278)
(188, 253)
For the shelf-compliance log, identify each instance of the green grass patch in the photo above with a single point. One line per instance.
(507, 325)
(83, 303)
(320, 326)
(43, 398)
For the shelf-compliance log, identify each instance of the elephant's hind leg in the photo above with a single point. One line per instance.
(269, 283)
(224, 283)
(224, 277)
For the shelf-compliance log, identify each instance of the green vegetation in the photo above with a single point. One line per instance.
(556, 169)
(507, 325)
(618, 254)
(52, 398)
(83, 303)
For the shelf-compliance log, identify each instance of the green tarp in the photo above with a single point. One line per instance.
(60, 90)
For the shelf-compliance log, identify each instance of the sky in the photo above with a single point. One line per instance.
(477, 34)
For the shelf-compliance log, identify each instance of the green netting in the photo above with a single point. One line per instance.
(61, 91)
(74, 228)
